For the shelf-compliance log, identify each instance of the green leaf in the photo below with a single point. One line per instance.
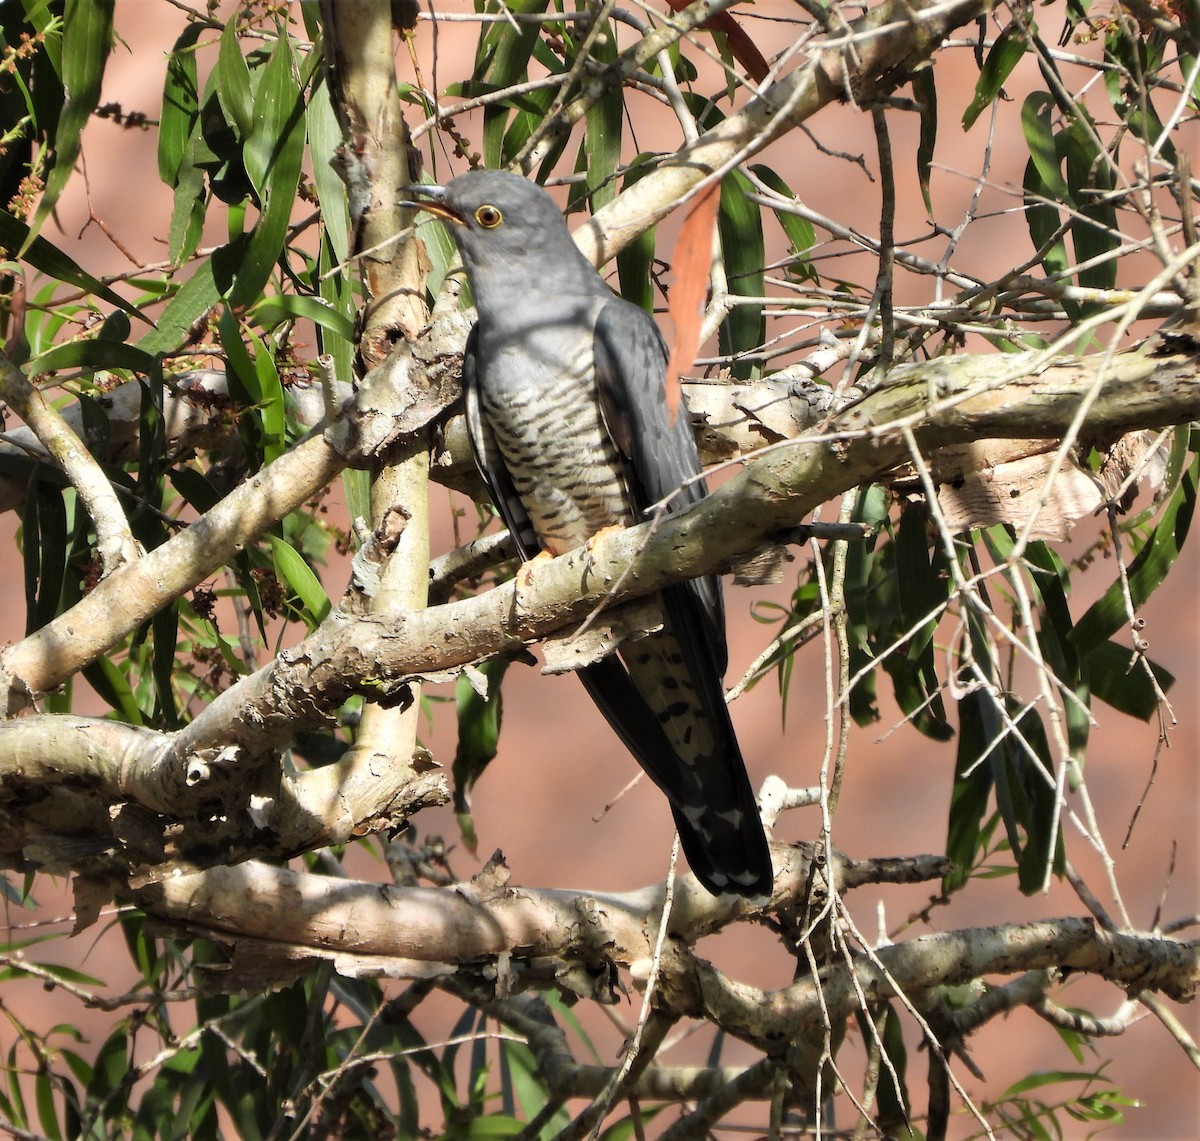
(1119, 679)
(277, 143)
(800, 233)
(181, 105)
(1051, 579)
(47, 1108)
(356, 483)
(93, 353)
(165, 625)
(533, 109)
(273, 311)
(152, 455)
(870, 601)
(194, 487)
(187, 213)
(1036, 123)
(13, 896)
(1148, 569)
(1095, 233)
(502, 60)
(113, 687)
(195, 299)
(241, 374)
(299, 576)
(87, 39)
(635, 261)
(921, 592)
(1044, 1078)
(233, 91)
(14, 1108)
(1043, 221)
(1006, 53)
(602, 136)
(111, 1066)
(529, 1085)
(894, 1102)
(1134, 57)
(47, 258)
(739, 223)
(324, 137)
(273, 408)
(69, 975)
(978, 726)
(337, 291)
(925, 91)
(44, 547)
(1042, 848)
(478, 737)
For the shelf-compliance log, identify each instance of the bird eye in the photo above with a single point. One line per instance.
(489, 217)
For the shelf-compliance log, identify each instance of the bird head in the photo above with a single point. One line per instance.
(509, 231)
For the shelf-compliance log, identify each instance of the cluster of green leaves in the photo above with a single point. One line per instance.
(327, 1056)
(231, 150)
(1072, 168)
(1028, 1112)
(902, 594)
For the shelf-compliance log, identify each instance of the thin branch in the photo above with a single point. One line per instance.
(114, 538)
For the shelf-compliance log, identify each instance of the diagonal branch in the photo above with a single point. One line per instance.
(950, 401)
(137, 591)
(889, 42)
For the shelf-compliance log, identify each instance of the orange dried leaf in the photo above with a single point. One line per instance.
(741, 46)
(693, 260)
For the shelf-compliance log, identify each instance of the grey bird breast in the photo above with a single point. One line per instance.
(537, 393)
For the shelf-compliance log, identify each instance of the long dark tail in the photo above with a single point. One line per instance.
(668, 708)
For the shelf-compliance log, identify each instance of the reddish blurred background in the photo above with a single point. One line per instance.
(559, 763)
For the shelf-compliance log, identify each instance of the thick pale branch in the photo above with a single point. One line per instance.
(103, 797)
(482, 918)
(465, 927)
(371, 780)
(1134, 962)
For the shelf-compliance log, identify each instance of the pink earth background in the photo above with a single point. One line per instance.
(560, 764)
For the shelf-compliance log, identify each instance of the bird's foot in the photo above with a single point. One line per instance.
(524, 573)
(603, 533)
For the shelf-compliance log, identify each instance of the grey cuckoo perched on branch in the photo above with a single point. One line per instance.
(567, 410)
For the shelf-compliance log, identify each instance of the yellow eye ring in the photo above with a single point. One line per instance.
(489, 217)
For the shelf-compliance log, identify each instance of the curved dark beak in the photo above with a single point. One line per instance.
(431, 198)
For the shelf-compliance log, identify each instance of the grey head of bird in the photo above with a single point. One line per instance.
(511, 235)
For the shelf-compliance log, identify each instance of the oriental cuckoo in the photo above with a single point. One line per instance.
(567, 410)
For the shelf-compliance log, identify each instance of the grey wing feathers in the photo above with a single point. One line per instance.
(712, 799)
(631, 359)
(660, 456)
